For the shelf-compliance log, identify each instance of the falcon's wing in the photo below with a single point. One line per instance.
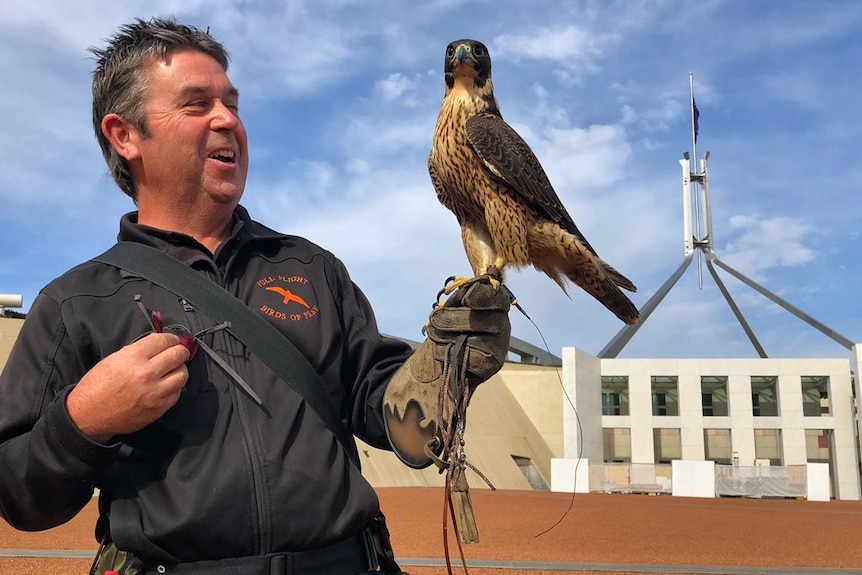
(505, 153)
(442, 196)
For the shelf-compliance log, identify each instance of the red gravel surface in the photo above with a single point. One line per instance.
(534, 529)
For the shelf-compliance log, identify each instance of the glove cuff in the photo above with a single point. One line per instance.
(411, 413)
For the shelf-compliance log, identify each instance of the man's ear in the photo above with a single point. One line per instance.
(122, 135)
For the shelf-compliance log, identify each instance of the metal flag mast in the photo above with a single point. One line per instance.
(698, 238)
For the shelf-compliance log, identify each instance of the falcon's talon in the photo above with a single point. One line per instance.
(455, 282)
(451, 284)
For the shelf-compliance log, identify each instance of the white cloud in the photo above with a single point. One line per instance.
(575, 158)
(763, 244)
(546, 111)
(576, 51)
(394, 86)
(664, 114)
(78, 25)
(309, 54)
(377, 140)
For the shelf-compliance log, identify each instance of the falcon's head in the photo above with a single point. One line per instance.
(468, 61)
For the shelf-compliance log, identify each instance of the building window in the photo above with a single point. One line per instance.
(713, 393)
(665, 395)
(615, 395)
(617, 445)
(717, 446)
(815, 395)
(818, 445)
(764, 395)
(667, 445)
(767, 445)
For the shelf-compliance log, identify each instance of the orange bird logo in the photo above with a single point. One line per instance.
(289, 296)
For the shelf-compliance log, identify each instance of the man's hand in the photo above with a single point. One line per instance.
(478, 312)
(470, 331)
(130, 388)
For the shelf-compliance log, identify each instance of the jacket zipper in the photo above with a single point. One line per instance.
(260, 491)
(261, 537)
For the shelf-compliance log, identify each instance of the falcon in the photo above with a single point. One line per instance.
(509, 213)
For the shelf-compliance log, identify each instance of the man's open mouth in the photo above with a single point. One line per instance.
(226, 156)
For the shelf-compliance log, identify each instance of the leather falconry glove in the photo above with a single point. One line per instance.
(468, 341)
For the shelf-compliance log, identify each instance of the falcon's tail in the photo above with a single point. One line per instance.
(618, 278)
(568, 258)
(612, 296)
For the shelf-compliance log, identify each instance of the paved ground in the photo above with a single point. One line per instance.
(611, 534)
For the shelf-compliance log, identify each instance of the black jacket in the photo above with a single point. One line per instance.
(216, 476)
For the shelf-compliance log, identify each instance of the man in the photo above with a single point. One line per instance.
(194, 475)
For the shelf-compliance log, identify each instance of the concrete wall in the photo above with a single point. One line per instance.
(856, 363)
(9, 329)
(539, 393)
(582, 405)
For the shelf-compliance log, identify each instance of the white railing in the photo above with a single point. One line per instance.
(631, 478)
(730, 480)
(761, 481)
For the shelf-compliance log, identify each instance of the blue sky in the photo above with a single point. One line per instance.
(340, 99)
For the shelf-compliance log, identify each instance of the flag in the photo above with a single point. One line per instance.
(696, 116)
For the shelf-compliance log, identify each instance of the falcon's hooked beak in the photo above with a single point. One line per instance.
(462, 53)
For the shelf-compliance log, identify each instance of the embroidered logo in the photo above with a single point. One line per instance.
(288, 290)
(289, 296)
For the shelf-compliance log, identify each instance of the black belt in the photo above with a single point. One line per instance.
(349, 557)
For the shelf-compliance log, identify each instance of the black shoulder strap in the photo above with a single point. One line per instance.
(266, 342)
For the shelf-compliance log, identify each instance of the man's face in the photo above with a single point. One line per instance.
(197, 147)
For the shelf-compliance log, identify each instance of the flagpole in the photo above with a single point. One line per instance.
(695, 181)
(693, 129)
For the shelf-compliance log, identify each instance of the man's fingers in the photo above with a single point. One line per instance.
(171, 358)
(164, 352)
(174, 381)
(153, 344)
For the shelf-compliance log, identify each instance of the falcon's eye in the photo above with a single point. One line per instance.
(450, 51)
(479, 50)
